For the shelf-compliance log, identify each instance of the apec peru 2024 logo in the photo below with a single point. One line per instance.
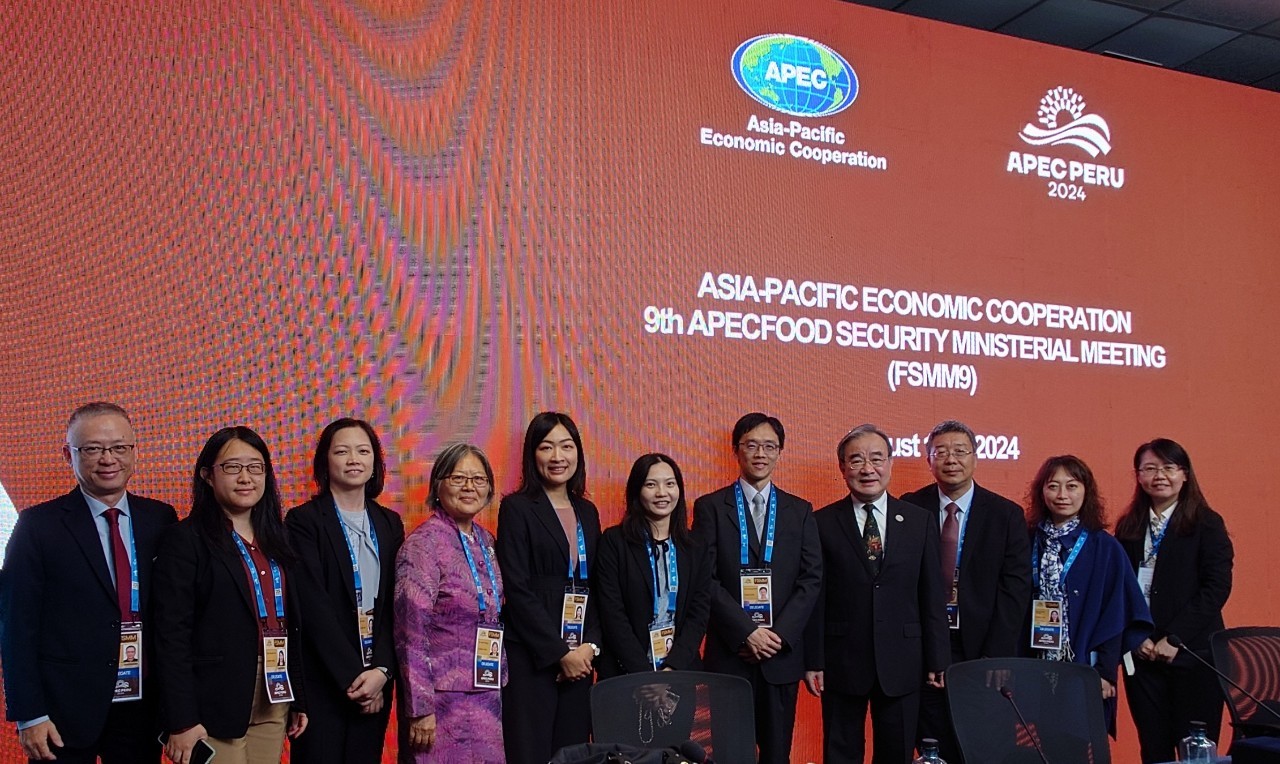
(1063, 122)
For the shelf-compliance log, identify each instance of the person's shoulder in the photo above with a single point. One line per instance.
(585, 504)
(716, 496)
(829, 509)
(517, 501)
(148, 504)
(792, 502)
(991, 499)
(51, 507)
(907, 509)
(391, 515)
(921, 496)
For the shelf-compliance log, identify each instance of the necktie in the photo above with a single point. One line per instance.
(661, 583)
(1157, 524)
(120, 561)
(871, 538)
(758, 514)
(950, 545)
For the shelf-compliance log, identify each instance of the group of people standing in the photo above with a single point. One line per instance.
(243, 624)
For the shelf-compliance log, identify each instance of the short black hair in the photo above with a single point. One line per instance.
(749, 422)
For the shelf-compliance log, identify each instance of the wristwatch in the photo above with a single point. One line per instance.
(595, 649)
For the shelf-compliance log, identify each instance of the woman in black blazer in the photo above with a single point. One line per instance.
(634, 564)
(211, 633)
(1183, 556)
(342, 535)
(546, 545)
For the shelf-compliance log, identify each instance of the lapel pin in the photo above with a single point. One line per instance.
(898, 518)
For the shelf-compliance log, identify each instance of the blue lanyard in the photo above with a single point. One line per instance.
(134, 587)
(1156, 541)
(673, 579)
(770, 525)
(579, 564)
(278, 590)
(475, 574)
(355, 560)
(1066, 566)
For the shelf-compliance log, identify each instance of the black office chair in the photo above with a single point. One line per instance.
(1061, 702)
(1250, 655)
(664, 709)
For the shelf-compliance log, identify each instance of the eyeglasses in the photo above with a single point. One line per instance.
(93, 452)
(460, 481)
(947, 453)
(1151, 470)
(235, 468)
(754, 447)
(857, 462)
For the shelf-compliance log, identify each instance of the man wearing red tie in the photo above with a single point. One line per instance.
(73, 601)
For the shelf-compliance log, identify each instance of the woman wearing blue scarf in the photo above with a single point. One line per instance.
(1082, 572)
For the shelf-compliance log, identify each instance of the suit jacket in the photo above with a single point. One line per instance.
(331, 642)
(889, 627)
(1192, 580)
(206, 636)
(535, 555)
(60, 634)
(624, 584)
(437, 611)
(995, 572)
(797, 580)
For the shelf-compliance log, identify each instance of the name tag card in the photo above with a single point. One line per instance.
(129, 664)
(573, 616)
(275, 665)
(365, 621)
(953, 602)
(757, 595)
(661, 637)
(1146, 574)
(488, 657)
(1046, 624)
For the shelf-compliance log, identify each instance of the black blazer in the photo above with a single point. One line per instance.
(995, 572)
(1192, 580)
(624, 584)
(533, 555)
(797, 579)
(206, 635)
(61, 625)
(890, 627)
(331, 642)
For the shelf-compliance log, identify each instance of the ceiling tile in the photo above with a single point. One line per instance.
(1236, 14)
(1167, 42)
(1270, 83)
(1246, 59)
(980, 14)
(1072, 23)
(1147, 5)
(1272, 29)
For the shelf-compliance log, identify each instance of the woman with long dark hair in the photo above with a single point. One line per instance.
(226, 613)
(1080, 572)
(652, 576)
(547, 534)
(348, 542)
(1183, 556)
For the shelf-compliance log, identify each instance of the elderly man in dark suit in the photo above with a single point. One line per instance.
(74, 596)
(755, 532)
(985, 561)
(879, 632)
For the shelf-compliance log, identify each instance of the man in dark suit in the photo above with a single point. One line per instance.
(753, 526)
(879, 632)
(67, 600)
(985, 564)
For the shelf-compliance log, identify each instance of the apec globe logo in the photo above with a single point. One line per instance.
(794, 75)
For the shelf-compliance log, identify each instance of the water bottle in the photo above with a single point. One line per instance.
(929, 752)
(1197, 747)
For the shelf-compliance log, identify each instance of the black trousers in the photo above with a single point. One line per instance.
(935, 722)
(1165, 698)
(129, 737)
(893, 726)
(775, 706)
(337, 733)
(540, 715)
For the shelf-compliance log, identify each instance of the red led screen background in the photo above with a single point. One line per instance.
(446, 216)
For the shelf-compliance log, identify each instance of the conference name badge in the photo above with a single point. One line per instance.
(365, 620)
(1146, 574)
(573, 614)
(953, 602)
(757, 595)
(662, 636)
(1046, 624)
(129, 664)
(488, 656)
(275, 657)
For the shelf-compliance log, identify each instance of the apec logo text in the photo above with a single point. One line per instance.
(794, 75)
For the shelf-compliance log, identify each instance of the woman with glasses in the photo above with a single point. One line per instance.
(547, 534)
(1086, 605)
(448, 635)
(224, 598)
(348, 543)
(653, 580)
(1183, 557)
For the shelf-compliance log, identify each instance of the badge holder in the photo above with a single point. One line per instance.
(953, 602)
(275, 668)
(661, 637)
(756, 594)
(573, 615)
(1146, 574)
(1046, 624)
(129, 664)
(488, 656)
(365, 621)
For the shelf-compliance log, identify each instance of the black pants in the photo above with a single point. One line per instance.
(775, 706)
(129, 737)
(1165, 698)
(893, 726)
(540, 715)
(337, 733)
(935, 722)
